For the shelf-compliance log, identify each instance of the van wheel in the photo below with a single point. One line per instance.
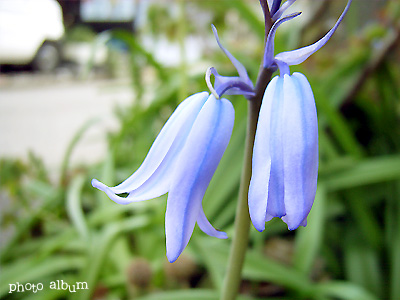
(47, 58)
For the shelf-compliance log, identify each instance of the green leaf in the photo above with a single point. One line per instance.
(78, 135)
(343, 290)
(258, 267)
(193, 294)
(373, 170)
(362, 264)
(74, 206)
(364, 217)
(100, 244)
(310, 238)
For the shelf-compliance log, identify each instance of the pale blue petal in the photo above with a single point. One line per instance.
(276, 205)
(161, 156)
(197, 163)
(261, 163)
(310, 125)
(300, 144)
(183, 117)
(106, 189)
(297, 56)
(159, 182)
(207, 228)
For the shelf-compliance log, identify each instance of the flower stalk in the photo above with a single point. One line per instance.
(240, 238)
(239, 245)
(231, 284)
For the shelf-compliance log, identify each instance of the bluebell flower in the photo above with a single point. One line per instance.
(181, 162)
(285, 153)
(184, 157)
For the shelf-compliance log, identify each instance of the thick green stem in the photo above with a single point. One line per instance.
(232, 280)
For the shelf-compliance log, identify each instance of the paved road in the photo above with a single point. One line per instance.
(44, 116)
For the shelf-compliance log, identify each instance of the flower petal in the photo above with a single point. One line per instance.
(297, 56)
(197, 163)
(106, 189)
(276, 205)
(261, 163)
(161, 156)
(300, 149)
(207, 228)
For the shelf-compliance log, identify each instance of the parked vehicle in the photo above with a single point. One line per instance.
(30, 33)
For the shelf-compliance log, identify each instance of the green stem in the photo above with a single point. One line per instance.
(240, 240)
(237, 254)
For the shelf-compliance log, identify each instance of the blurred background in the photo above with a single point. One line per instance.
(85, 87)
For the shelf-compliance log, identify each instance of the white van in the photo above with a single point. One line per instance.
(30, 32)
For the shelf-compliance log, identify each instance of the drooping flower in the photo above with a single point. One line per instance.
(182, 161)
(285, 153)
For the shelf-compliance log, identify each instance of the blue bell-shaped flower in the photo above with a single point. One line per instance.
(285, 153)
(182, 161)
(285, 157)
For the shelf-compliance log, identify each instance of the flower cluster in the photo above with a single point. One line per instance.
(187, 151)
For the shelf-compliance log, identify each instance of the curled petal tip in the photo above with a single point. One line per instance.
(228, 85)
(106, 189)
(207, 228)
(99, 185)
(210, 71)
(95, 183)
(223, 235)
